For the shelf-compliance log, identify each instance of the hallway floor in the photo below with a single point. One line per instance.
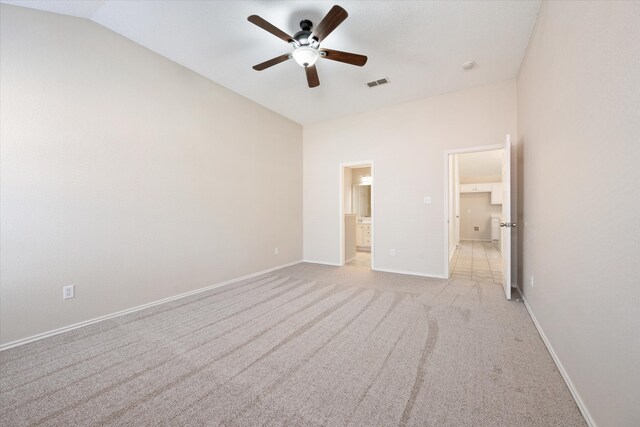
(474, 260)
(363, 259)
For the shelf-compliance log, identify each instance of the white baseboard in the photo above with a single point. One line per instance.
(411, 273)
(134, 309)
(565, 376)
(310, 261)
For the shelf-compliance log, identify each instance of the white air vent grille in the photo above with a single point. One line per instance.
(380, 82)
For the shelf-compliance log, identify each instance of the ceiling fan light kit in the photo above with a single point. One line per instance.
(305, 56)
(306, 44)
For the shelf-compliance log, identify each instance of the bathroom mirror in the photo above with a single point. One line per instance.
(361, 199)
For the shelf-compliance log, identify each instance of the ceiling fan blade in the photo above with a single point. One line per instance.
(271, 62)
(312, 76)
(346, 57)
(267, 26)
(329, 23)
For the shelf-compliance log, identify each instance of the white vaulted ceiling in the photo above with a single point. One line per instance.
(419, 45)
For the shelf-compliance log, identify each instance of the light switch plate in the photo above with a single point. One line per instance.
(427, 200)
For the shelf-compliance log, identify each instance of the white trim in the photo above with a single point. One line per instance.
(506, 233)
(51, 333)
(411, 273)
(311, 261)
(447, 153)
(476, 149)
(361, 163)
(565, 376)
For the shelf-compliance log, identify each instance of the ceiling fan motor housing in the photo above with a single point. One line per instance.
(303, 37)
(306, 25)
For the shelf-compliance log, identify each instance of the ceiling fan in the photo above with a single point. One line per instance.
(306, 44)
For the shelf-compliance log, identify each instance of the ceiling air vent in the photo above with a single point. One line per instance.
(378, 82)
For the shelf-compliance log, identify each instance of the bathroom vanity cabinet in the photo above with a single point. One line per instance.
(363, 236)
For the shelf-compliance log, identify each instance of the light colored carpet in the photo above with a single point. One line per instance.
(307, 345)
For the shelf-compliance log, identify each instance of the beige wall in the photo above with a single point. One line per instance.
(475, 211)
(407, 143)
(579, 130)
(129, 176)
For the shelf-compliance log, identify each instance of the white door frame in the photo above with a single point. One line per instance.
(506, 224)
(343, 166)
(447, 153)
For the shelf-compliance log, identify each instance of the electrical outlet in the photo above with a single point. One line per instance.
(392, 252)
(531, 281)
(68, 292)
(275, 251)
(427, 200)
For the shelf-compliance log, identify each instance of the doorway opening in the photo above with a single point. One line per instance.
(477, 212)
(357, 214)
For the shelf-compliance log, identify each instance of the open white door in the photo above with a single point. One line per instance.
(506, 223)
(456, 189)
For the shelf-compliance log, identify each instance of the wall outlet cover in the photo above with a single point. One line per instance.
(68, 292)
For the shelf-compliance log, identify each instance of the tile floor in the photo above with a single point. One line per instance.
(480, 261)
(363, 259)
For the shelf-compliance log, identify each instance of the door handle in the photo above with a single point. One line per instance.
(508, 224)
